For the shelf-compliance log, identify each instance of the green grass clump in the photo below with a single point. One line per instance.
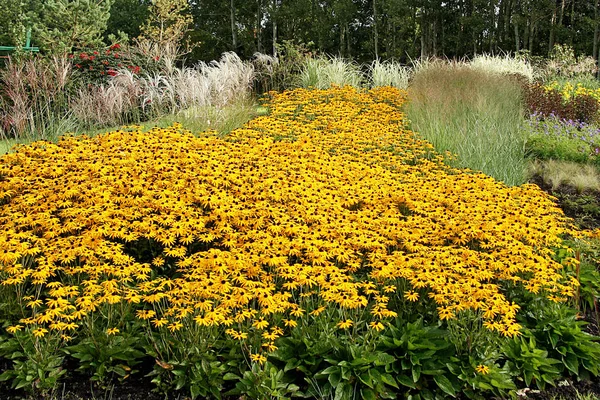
(322, 73)
(473, 114)
(389, 73)
(556, 173)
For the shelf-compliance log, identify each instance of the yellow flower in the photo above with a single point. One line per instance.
(258, 358)
(159, 322)
(260, 324)
(270, 346)
(411, 295)
(345, 324)
(482, 369)
(175, 326)
(40, 332)
(290, 323)
(112, 331)
(317, 311)
(14, 329)
(237, 335)
(378, 326)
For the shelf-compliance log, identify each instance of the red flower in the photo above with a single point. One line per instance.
(70, 56)
(83, 56)
(95, 53)
(156, 58)
(92, 58)
(112, 72)
(78, 65)
(136, 69)
(115, 46)
(116, 55)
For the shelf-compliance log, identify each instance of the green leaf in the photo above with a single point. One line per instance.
(230, 377)
(334, 379)
(384, 359)
(194, 391)
(365, 378)
(368, 394)
(572, 363)
(406, 381)
(339, 391)
(330, 370)
(445, 384)
(416, 373)
(389, 380)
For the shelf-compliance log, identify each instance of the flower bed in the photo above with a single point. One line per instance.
(322, 239)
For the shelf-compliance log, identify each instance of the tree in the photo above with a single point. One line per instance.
(127, 16)
(63, 25)
(12, 22)
(168, 22)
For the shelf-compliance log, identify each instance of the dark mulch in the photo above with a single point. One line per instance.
(583, 207)
(565, 390)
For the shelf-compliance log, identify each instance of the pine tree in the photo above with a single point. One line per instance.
(65, 25)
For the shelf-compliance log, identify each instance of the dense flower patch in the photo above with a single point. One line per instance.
(569, 90)
(328, 205)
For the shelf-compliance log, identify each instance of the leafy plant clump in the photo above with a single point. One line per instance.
(303, 254)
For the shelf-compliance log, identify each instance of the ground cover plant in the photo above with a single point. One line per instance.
(321, 250)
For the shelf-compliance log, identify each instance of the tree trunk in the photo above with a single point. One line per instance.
(507, 19)
(562, 12)
(423, 36)
(375, 29)
(573, 30)
(494, 28)
(434, 36)
(596, 29)
(552, 28)
(531, 36)
(259, 27)
(342, 42)
(517, 39)
(274, 28)
(348, 40)
(233, 26)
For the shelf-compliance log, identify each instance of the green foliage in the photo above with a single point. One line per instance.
(556, 329)
(65, 25)
(107, 356)
(532, 362)
(556, 147)
(356, 368)
(168, 22)
(263, 382)
(127, 17)
(423, 354)
(281, 72)
(196, 361)
(13, 22)
(36, 361)
(302, 353)
(478, 386)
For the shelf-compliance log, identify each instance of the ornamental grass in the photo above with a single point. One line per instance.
(327, 206)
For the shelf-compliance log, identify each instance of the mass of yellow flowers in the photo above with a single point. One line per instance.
(569, 90)
(328, 202)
